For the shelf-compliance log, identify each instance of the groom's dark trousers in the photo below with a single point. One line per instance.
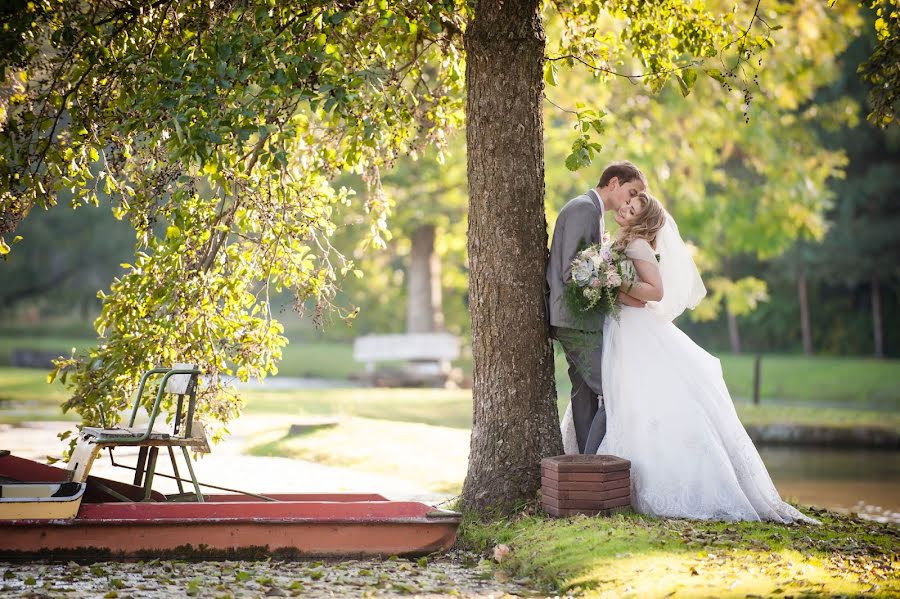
(583, 353)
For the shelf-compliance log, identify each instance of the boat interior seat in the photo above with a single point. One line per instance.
(187, 432)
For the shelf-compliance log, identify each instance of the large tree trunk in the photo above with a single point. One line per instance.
(424, 312)
(734, 334)
(805, 330)
(877, 327)
(515, 422)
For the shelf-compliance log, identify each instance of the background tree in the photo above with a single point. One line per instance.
(423, 266)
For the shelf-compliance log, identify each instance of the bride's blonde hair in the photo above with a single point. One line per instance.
(646, 225)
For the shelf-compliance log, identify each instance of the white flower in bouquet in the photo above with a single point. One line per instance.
(582, 271)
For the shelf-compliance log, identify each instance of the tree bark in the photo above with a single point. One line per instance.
(515, 421)
(877, 327)
(734, 334)
(805, 330)
(424, 311)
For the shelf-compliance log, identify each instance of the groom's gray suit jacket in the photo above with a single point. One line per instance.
(578, 223)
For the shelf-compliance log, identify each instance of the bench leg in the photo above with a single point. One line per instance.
(175, 470)
(151, 470)
(139, 467)
(187, 459)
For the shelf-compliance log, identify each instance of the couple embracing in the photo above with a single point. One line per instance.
(641, 389)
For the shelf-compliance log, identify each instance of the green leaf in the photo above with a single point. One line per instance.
(685, 90)
(551, 73)
(716, 74)
(690, 77)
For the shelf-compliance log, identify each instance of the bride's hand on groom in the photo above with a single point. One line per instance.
(627, 300)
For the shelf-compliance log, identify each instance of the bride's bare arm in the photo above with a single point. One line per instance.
(649, 288)
(627, 300)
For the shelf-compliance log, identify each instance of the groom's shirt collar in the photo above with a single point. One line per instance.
(598, 201)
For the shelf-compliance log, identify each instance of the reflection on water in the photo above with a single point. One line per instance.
(846, 480)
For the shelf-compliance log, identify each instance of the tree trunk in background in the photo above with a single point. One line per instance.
(424, 310)
(734, 335)
(805, 330)
(514, 418)
(876, 318)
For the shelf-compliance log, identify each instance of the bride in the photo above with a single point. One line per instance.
(668, 409)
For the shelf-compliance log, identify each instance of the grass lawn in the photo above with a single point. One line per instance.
(433, 457)
(30, 385)
(426, 406)
(27, 390)
(454, 408)
(860, 381)
(630, 555)
(824, 380)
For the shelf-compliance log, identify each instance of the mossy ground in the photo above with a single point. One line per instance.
(631, 555)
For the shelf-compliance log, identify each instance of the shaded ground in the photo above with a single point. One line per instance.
(457, 574)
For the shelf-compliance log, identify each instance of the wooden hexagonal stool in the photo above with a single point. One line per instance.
(585, 484)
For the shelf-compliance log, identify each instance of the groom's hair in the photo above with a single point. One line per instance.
(624, 171)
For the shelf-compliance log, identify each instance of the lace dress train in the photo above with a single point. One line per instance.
(669, 412)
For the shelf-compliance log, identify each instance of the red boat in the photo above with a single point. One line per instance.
(222, 526)
(116, 519)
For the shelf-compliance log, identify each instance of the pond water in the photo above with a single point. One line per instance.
(863, 481)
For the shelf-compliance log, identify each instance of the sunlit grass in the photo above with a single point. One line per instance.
(629, 555)
(432, 457)
(442, 407)
(30, 385)
(439, 407)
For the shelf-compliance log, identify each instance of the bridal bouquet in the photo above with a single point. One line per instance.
(598, 271)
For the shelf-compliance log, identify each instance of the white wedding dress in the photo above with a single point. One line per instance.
(669, 412)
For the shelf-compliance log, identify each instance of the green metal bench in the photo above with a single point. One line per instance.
(180, 380)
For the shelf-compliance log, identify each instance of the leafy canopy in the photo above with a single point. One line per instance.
(218, 130)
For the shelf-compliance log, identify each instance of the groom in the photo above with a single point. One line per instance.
(581, 222)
